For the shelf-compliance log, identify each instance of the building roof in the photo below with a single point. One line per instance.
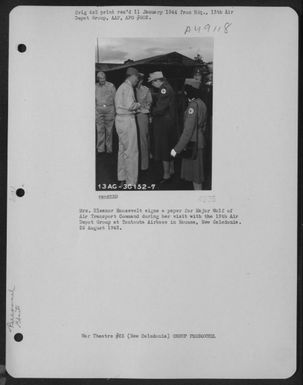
(172, 58)
(107, 66)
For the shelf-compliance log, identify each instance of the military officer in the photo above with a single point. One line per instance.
(105, 113)
(164, 119)
(205, 89)
(145, 99)
(126, 108)
(198, 75)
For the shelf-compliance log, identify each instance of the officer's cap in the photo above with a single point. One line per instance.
(192, 83)
(132, 71)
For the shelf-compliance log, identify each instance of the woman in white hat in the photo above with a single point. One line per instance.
(164, 114)
(195, 118)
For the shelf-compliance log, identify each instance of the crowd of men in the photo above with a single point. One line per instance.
(132, 108)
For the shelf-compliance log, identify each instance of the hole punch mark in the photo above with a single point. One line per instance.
(18, 337)
(21, 48)
(20, 192)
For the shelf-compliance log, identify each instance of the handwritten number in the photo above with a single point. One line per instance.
(226, 26)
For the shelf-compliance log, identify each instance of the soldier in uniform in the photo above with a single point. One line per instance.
(164, 117)
(126, 108)
(198, 75)
(145, 99)
(195, 118)
(205, 89)
(105, 113)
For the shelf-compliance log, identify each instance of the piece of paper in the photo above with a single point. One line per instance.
(161, 281)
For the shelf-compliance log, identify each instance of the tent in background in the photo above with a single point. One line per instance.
(175, 67)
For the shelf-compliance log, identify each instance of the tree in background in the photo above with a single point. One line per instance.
(199, 59)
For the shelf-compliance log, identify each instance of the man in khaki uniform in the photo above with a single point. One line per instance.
(105, 113)
(145, 99)
(126, 108)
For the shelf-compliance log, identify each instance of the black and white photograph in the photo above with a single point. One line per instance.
(154, 113)
(196, 280)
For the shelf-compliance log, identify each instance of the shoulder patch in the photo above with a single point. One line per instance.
(163, 91)
(191, 111)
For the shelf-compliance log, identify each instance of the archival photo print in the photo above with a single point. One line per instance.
(153, 104)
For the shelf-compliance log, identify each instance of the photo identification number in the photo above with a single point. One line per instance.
(114, 186)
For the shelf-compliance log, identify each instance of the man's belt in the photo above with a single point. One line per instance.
(105, 105)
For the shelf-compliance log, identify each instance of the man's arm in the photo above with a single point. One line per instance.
(149, 100)
(126, 100)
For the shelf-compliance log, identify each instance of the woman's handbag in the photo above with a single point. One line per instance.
(191, 149)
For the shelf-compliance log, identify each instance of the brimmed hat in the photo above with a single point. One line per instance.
(155, 76)
(192, 83)
(132, 71)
